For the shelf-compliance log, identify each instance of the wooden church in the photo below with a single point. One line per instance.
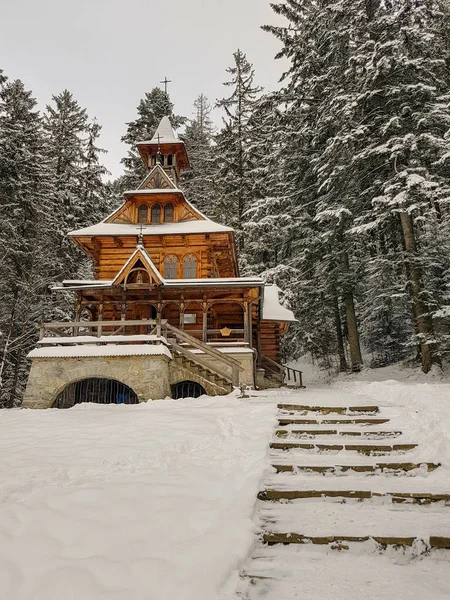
(167, 313)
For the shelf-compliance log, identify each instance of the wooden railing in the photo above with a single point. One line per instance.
(283, 373)
(297, 376)
(72, 328)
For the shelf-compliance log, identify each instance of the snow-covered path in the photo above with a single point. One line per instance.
(149, 502)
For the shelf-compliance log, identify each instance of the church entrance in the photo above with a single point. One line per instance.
(187, 389)
(96, 390)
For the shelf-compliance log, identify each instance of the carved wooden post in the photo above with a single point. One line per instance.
(158, 315)
(77, 314)
(205, 321)
(182, 309)
(100, 318)
(246, 322)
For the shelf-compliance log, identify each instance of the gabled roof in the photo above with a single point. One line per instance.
(157, 179)
(139, 254)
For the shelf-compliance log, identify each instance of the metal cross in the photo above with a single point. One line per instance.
(165, 82)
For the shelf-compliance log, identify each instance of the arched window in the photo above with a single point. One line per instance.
(169, 160)
(168, 213)
(143, 213)
(156, 213)
(190, 267)
(171, 267)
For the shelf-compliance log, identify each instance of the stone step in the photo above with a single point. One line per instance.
(336, 432)
(298, 538)
(388, 466)
(396, 497)
(326, 410)
(293, 421)
(368, 449)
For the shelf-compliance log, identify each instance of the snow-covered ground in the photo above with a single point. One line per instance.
(148, 502)
(158, 501)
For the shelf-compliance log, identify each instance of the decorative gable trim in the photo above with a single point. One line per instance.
(157, 179)
(140, 254)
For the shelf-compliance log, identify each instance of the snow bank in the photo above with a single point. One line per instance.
(149, 502)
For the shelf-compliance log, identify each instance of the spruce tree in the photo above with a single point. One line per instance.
(233, 142)
(199, 181)
(25, 218)
(80, 198)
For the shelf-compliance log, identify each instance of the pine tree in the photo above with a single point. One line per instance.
(151, 109)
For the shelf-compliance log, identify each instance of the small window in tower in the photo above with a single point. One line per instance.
(156, 213)
(168, 213)
(169, 160)
(171, 267)
(154, 160)
(190, 267)
(143, 213)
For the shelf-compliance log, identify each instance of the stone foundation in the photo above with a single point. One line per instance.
(147, 376)
(150, 377)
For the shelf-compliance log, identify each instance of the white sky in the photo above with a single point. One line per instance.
(108, 53)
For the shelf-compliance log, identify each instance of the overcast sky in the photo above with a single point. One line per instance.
(108, 53)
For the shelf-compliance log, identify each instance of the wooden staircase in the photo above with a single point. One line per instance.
(192, 355)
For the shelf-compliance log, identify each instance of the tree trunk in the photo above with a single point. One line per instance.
(352, 325)
(422, 318)
(339, 337)
(352, 332)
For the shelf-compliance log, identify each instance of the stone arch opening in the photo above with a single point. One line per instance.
(187, 389)
(97, 390)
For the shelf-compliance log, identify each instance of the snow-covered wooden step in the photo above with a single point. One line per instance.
(326, 410)
(309, 433)
(396, 497)
(322, 522)
(363, 448)
(430, 488)
(282, 421)
(394, 467)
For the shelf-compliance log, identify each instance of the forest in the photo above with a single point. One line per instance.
(337, 185)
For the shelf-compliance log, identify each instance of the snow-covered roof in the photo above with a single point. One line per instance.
(103, 339)
(180, 228)
(272, 309)
(215, 281)
(88, 350)
(152, 191)
(165, 132)
(170, 283)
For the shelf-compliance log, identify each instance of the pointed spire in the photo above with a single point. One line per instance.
(164, 133)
